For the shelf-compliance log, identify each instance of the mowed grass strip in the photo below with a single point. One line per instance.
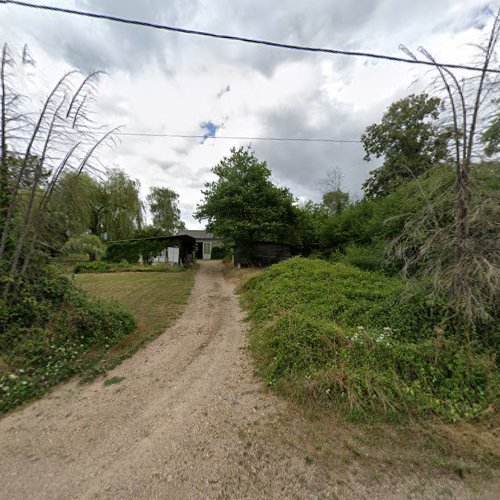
(155, 299)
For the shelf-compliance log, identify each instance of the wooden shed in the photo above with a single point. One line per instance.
(261, 253)
(205, 242)
(174, 249)
(178, 249)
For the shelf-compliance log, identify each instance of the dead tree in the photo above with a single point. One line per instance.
(61, 136)
(461, 260)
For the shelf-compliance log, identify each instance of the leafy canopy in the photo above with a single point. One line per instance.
(243, 205)
(85, 243)
(82, 203)
(410, 141)
(163, 205)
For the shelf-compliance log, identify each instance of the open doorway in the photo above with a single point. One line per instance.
(199, 250)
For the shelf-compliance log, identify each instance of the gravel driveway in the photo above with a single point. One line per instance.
(188, 421)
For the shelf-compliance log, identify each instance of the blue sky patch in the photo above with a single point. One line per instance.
(210, 129)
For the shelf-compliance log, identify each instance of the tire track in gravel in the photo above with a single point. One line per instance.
(189, 421)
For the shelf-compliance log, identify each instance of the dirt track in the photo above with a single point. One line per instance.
(189, 421)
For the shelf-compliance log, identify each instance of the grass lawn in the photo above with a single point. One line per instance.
(155, 299)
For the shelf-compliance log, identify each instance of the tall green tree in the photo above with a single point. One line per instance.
(410, 141)
(81, 203)
(69, 209)
(243, 205)
(335, 202)
(334, 199)
(163, 203)
(118, 208)
(311, 219)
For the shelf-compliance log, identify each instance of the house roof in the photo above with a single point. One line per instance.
(177, 237)
(199, 234)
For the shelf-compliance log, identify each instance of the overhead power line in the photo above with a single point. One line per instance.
(243, 138)
(254, 41)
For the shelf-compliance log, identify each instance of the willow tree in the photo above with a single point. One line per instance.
(37, 146)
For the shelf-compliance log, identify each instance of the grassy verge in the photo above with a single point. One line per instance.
(369, 374)
(54, 331)
(47, 328)
(155, 299)
(349, 339)
(378, 452)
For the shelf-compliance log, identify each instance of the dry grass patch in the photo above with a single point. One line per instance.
(239, 276)
(431, 451)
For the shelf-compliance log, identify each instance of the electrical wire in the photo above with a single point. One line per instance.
(276, 139)
(254, 41)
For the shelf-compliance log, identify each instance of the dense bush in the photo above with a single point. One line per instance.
(364, 231)
(85, 243)
(338, 335)
(369, 258)
(98, 266)
(126, 251)
(122, 267)
(218, 253)
(45, 331)
(369, 225)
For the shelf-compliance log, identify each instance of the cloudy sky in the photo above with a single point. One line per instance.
(162, 82)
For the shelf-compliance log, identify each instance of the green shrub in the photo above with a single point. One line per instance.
(218, 253)
(126, 251)
(99, 266)
(122, 267)
(88, 244)
(369, 258)
(45, 332)
(337, 335)
(372, 221)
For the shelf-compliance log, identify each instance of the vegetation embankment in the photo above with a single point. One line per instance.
(156, 300)
(47, 333)
(350, 339)
(57, 331)
(54, 202)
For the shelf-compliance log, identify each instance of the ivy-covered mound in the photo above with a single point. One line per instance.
(337, 335)
(46, 327)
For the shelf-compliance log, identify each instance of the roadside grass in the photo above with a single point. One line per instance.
(378, 451)
(155, 299)
(351, 341)
(338, 342)
(240, 276)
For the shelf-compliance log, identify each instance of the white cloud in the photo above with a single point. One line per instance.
(165, 82)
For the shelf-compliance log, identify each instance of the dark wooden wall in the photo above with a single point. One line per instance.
(261, 253)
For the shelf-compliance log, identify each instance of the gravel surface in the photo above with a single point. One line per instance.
(189, 420)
